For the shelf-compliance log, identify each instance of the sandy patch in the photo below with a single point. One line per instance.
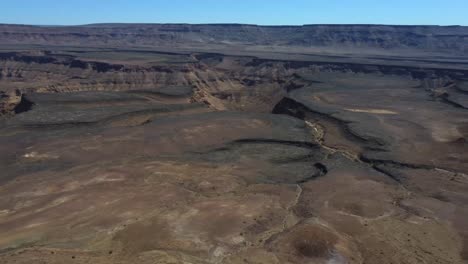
(372, 111)
(445, 132)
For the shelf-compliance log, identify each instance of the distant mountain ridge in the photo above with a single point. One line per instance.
(437, 39)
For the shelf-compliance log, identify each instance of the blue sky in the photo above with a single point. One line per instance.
(265, 12)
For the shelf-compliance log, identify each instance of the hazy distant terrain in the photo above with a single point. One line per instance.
(436, 39)
(229, 143)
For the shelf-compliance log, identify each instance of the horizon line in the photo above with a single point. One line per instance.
(230, 24)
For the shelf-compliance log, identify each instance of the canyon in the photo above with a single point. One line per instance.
(230, 143)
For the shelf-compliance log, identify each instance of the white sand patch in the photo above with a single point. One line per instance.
(372, 111)
(35, 155)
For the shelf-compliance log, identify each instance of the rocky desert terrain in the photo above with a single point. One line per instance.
(229, 143)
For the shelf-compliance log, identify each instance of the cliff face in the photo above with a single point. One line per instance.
(452, 39)
(224, 82)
